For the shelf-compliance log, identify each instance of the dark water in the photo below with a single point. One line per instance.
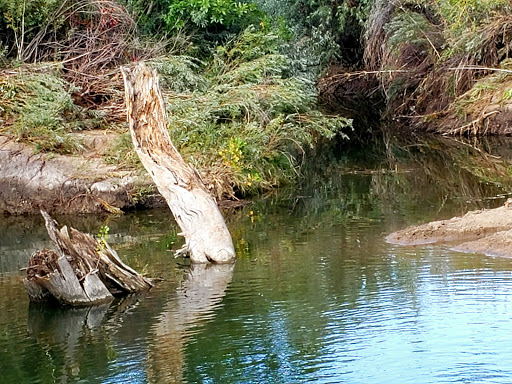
(316, 294)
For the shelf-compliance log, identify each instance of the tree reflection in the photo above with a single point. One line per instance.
(194, 304)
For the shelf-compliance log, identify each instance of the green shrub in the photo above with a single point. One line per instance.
(254, 122)
(20, 21)
(323, 31)
(36, 106)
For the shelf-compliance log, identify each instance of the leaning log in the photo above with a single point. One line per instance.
(207, 238)
(81, 271)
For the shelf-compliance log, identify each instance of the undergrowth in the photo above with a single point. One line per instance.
(251, 128)
(36, 107)
(244, 120)
(433, 58)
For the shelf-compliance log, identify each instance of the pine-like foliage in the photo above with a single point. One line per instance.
(36, 107)
(253, 124)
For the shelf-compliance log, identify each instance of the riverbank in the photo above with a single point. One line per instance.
(438, 66)
(68, 184)
(487, 231)
(246, 123)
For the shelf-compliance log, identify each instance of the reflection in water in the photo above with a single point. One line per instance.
(65, 333)
(63, 329)
(195, 302)
(316, 295)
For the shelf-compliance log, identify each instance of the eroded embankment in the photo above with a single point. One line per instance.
(444, 67)
(66, 184)
(487, 231)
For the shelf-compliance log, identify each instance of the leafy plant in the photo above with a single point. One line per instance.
(251, 127)
(322, 31)
(102, 236)
(204, 13)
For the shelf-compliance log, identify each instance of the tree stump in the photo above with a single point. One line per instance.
(82, 270)
(207, 238)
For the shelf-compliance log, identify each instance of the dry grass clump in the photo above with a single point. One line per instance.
(427, 54)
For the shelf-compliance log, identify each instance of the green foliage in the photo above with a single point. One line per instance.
(204, 13)
(200, 16)
(323, 31)
(463, 15)
(255, 121)
(36, 106)
(102, 236)
(410, 28)
(21, 20)
(179, 73)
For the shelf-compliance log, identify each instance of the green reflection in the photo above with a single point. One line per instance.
(316, 294)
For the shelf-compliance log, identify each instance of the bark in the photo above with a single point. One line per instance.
(207, 238)
(82, 271)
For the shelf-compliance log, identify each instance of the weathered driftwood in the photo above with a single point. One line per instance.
(82, 271)
(207, 238)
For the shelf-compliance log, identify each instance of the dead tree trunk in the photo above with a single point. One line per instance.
(207, 238)
(82, 271)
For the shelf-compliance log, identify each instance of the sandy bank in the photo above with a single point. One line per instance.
(487, 231)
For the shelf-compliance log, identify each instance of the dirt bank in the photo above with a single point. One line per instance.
(67, 184)
(487, 231)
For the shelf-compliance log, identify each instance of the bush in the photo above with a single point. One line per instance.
(250, 129)
(323, 31)
(36, 107)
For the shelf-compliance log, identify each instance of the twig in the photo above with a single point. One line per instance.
(479, 68)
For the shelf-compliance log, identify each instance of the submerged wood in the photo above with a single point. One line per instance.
(207, 238)
(81, 271)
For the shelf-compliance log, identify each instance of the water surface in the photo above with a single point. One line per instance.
(316, 294)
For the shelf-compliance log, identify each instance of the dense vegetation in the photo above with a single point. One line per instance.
(239, 77)
(242, 108)
(442, 65)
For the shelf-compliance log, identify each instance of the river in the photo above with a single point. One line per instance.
(316, 294)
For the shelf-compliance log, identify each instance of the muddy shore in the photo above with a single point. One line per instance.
(61, 184)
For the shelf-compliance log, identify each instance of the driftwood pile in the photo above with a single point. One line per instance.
(82, 270)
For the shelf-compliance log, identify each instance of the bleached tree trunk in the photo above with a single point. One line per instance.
(207, 238)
